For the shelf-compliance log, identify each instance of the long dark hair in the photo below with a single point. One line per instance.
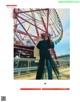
(48, 41)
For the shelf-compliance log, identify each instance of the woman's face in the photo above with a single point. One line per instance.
(46, 37)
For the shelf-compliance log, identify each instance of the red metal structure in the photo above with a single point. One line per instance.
(28, 26)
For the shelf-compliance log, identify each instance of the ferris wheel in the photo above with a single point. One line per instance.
(30, 23)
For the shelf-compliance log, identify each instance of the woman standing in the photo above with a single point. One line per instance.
(44, 47)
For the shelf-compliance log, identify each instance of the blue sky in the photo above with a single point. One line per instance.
(63, 47)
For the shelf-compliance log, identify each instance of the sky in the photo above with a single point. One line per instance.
(63, 47)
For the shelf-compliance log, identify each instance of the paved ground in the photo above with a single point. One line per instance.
(64, 72)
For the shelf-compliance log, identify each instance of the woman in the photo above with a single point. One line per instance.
(45, 55)
(44, 47)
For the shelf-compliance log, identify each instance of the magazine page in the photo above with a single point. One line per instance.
(39, 50)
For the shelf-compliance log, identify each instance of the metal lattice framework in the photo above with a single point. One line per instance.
(30, 23)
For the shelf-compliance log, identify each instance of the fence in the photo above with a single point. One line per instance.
(30, 64)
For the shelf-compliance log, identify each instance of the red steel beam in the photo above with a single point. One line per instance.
(44, 25)
(25, 30)
(47, 19)
(31, 18)
(31, 23)
(18, 24)
(33, 10)
(35, 24)
(19, 39)
(19, 31)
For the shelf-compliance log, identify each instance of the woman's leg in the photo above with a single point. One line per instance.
(40, 69)
(49, 69)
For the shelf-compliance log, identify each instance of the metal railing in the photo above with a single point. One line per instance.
(27, 68)
(30, 68)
